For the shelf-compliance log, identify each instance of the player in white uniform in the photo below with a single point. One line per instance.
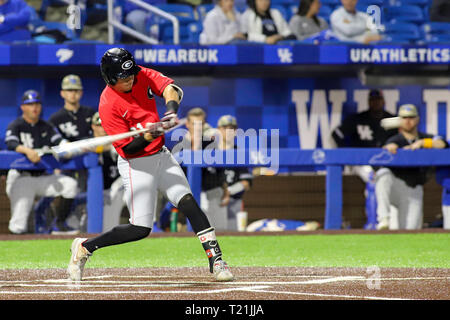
(29, 134)
(402, 187)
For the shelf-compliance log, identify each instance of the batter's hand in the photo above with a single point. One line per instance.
(169, 120)
(156, 130)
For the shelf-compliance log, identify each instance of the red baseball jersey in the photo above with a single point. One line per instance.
(121, 112)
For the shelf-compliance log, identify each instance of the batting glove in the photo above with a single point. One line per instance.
(155, 129)
(169, 120)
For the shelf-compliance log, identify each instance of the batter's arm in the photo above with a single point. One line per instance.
(172, 94)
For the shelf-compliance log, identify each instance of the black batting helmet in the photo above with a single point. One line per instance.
(117, 63)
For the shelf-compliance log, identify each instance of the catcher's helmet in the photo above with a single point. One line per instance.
(117, 63)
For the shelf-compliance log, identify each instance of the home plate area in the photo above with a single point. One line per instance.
(284, 283)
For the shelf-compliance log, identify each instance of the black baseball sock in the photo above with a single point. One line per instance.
(189, 207)
(120, 234)
(211, 246)
(201, 226)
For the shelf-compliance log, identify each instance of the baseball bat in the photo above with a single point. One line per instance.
(390, 123)
(71, 149)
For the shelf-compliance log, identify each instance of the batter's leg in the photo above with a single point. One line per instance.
(174, 184)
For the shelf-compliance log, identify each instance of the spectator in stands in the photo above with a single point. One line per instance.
(403, 187)
(14, 18)
(260, 23)
(136, 16)
(440, 11)
(112, 182)
(31, 135)
(222, 24)
(351, 25)
(306, 22)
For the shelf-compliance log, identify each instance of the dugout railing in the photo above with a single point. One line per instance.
(330, 160)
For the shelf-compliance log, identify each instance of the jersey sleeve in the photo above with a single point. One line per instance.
(12, 139)
(157, 81)
(55, 136)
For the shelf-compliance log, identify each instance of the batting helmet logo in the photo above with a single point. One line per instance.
(127, 65)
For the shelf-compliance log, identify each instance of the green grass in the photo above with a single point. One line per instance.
(427, 250)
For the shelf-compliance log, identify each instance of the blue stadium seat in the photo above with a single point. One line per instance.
(189, 32)
(284, 2)
(420, 3)
(406, 13)
(284, 12)
(372, 2)
(292, 10)
(441, 38)
(435, 32)
(325, 12)
(190, 27)
(331, 3)
(241, 7)
(362, 5)
(435, 28)
(402, 30)
(185, 13)
(203, 9)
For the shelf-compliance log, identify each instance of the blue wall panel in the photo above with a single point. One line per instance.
(259, 102)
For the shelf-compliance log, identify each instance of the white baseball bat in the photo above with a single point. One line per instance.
(390, 123)
(79, 147)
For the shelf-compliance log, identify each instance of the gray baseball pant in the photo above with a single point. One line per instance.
(391, 190)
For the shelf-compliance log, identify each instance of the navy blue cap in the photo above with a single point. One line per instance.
(31, 96)
(375, 93)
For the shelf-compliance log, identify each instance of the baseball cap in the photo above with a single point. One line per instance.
(31, 96)
(227, 120)
(407, 110)
(71, 82)
(375, 93)
(96, 119)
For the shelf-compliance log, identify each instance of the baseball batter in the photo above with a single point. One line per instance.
(145, 164)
